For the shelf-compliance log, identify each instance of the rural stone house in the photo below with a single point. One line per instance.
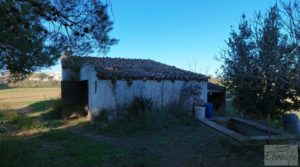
(101, 83)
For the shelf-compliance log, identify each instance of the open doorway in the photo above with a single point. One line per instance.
(216, 95)
(74, 97)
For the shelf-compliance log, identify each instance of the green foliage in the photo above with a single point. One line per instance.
(23, 41)
(34, 33)
(261, 66)
(139, 107)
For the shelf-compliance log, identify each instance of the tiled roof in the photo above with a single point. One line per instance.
(120, 68)
(215, 87)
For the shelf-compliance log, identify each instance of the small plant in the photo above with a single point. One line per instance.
(198, 102)
(139, 107)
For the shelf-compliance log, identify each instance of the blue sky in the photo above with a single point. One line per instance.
(184, 33)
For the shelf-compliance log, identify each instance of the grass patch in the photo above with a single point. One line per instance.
(22, 122)
(7, 115)
(44, 114)
(141, 117)
(74, 149)
(16, 152)
(11, 122)
(248, 152)
(150, 122)
(83, 151)
(64, 149)
(52, 108)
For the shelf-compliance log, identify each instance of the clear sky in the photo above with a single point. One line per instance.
(184, 33)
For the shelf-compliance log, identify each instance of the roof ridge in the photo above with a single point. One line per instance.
(132, 68)
(106, 57)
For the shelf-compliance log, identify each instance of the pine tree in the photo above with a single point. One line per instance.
(35, 32)
(259, 69)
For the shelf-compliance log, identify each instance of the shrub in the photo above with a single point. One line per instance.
(139, 107)
(3, 86)
(142, 118)
(33, 84)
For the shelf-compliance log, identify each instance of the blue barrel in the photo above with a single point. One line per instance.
(208, 110)
(291, 123)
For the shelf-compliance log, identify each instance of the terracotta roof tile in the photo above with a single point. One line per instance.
(121, 68)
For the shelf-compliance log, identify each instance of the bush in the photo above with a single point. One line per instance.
(139, 107)
(3, 86)
(33, 84)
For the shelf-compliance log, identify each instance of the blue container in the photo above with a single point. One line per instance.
(208, 110)
(291, 123)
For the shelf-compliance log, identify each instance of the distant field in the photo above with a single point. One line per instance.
(30, 84)
(18, 98)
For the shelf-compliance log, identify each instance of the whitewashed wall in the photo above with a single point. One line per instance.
(105, 95)
(66, 75)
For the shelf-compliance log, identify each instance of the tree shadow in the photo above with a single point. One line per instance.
(39, 115)
(47, 109)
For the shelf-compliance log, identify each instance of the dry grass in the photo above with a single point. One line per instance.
(19, 98)
(22, 109)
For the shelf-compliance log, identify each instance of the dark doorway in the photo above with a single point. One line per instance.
(74, 96)
(217, 99)
(216, 95)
